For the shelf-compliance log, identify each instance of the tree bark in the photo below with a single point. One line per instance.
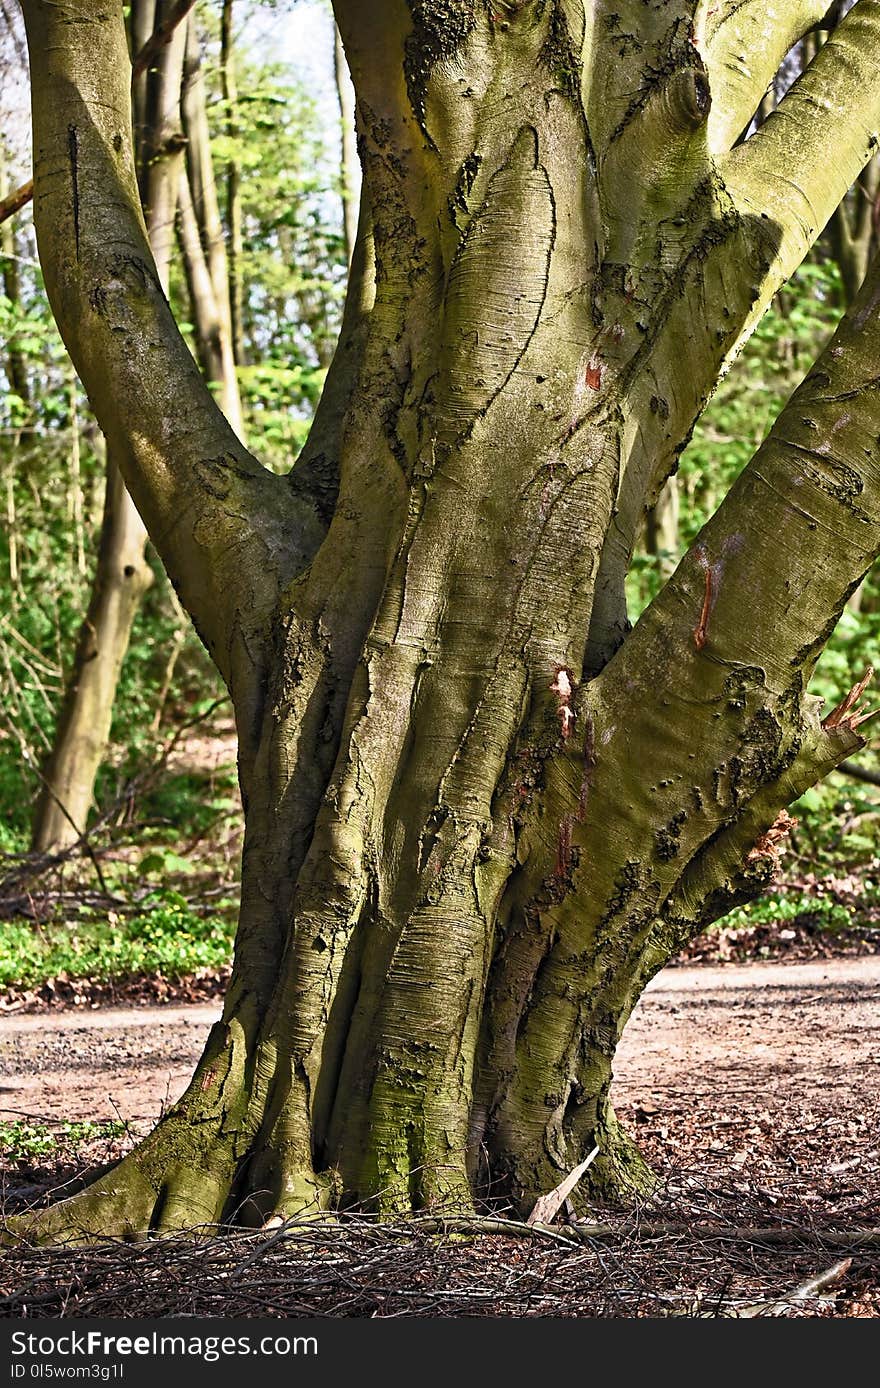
(233, 185)
(122, 574)
(348, 145)
(478, 819)
(211, 297)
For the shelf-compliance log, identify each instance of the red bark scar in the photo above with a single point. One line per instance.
(701, 630)
(593, 373)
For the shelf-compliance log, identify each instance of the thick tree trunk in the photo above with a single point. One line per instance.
(477, 823)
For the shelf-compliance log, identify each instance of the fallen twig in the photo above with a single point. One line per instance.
(804, 1291)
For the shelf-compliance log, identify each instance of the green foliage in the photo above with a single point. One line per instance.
(267, 391)
(24, 1141)
(39, 625)
(27, 328)
(837, 830)
(798, 907)
(166, 938)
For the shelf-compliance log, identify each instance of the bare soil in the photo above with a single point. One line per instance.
(754, 1090)
(713, 1046)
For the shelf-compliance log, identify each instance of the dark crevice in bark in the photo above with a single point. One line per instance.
(440, 28)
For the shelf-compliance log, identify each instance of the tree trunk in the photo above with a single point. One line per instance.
(661, 528)
(233, 185)
(212, 311)
(121, 578)
(348, 145)
(480, 813)
(122, 574)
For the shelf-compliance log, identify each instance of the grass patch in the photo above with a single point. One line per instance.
(168, 938)
(23, 1141)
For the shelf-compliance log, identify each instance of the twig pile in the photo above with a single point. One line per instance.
(420, 1267)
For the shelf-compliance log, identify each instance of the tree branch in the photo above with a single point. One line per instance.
(142, 60)
(745, 229)
(784, 172)
(857, 772)
(790, 542)
(17, 200)
(798, 530)
(161, 35)
(218, 519)
(743, 43)
(787, 546)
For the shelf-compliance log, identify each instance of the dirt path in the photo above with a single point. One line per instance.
(770, 1070)
(761, 1079)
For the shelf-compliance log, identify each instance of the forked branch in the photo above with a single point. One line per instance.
(784, 171)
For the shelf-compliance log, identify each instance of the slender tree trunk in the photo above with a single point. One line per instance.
(213, 347)
(212, 308)
(74, 485)
(121, 578)
(233, 184)
(122, 574)
(348, 161)
(16, 369)
(854, 231)
(480, 814)
(12, 527)
(661, 528)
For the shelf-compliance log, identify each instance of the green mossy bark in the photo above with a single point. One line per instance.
(473, 831)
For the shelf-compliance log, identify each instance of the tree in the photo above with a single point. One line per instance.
(480, 810)
(168, 100)
(348, 151)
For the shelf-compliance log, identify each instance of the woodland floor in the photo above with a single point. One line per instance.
(754, 1090)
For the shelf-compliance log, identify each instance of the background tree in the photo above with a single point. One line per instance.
(480, 811)
(39, 443)
(177, 185)
(348, 163)
(122, 573)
